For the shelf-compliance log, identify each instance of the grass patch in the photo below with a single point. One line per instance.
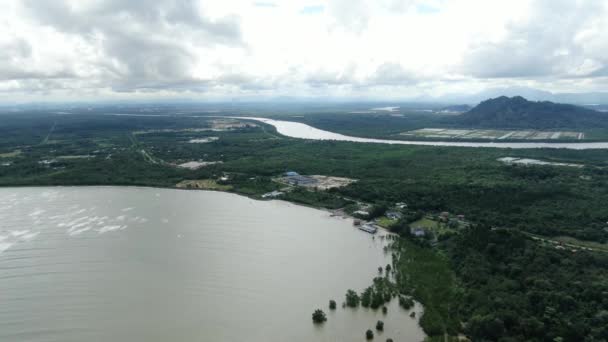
(425, 223)
(436, 227)
(385, 222)
(426, 275)
(582, 243)
(13, 154)
(82, 156)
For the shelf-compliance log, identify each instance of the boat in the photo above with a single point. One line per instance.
(368, 228)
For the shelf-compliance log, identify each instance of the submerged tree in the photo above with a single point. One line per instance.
(352, 299)
(377, 300)
(369, 334)
(406, 302)
(384, 310)
(366, 297)
(332, 304)
(319, 316)
(380, 326)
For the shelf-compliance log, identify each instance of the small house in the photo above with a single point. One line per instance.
(301, 180)
(393, 215)
(401, 205)
(418, 232)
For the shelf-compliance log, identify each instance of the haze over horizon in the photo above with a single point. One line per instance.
(68, 50)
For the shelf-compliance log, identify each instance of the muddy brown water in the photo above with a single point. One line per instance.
(145, 264)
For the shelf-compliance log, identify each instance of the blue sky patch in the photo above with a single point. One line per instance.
(315, 9)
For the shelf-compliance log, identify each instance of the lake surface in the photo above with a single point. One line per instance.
(144, 264)
(303, 131)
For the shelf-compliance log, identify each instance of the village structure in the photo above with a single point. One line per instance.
(429, 226)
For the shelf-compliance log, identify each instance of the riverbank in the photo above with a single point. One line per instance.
(302, 131)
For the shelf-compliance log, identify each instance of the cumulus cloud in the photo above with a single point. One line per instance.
(391, 73)
(559, 38)
(139, 44)
(70, 49)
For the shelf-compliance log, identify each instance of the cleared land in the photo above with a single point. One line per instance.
(203, 140)
(205, 184)
(10, 154)
(318, 182)
(385, 222)
(493, 134)
(193, 165)
(528, 161)
(328, 182)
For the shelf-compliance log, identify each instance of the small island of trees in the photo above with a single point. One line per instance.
(406, 302)
(352, 299)
(369, 334)
(319, 316)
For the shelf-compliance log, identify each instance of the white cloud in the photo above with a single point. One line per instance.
(73, 49)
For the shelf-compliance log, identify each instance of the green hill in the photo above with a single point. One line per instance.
(517, 112)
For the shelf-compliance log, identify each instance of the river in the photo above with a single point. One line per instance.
(146, 264)
(303, 131)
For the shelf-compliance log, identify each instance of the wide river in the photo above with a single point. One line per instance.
(303, 131)
(145, 264)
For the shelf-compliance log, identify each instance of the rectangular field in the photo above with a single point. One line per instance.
(494, 134)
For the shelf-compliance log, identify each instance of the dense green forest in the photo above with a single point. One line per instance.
(541, 199)
(499, 283)
(517, 290)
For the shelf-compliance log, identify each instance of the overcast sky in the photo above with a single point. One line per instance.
(219, 49)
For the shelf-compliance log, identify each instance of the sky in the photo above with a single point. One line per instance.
(75, 50)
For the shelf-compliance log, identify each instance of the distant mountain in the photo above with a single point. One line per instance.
(517, 112)
(529, 93)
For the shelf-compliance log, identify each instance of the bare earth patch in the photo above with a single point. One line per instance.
(318, 182)
(494, 134)
(528, 161)
(10, 154)
(193, 165)
(203, 140)
(203, 184)
(228, 124)
(82, 156)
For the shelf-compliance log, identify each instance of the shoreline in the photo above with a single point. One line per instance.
(382, 233)
(333, 212)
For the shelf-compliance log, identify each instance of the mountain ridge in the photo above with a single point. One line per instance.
(517, 112)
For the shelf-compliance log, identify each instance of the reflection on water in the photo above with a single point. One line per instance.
(142, 264)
